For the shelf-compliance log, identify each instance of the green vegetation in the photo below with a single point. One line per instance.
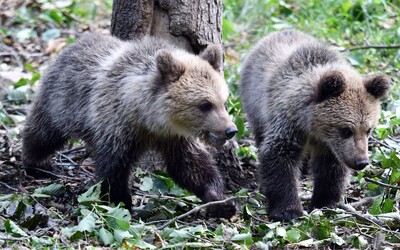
(49, 214)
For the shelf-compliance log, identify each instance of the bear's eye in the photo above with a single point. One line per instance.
(226, 106)
(369, 131)
(205, 106)
(345, 132)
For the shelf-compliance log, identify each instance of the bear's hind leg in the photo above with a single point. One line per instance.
(329, 178)
(280, 163)
(192, 167)
(113, 166)
(40, 140)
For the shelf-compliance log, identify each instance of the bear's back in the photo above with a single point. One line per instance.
(280, 75)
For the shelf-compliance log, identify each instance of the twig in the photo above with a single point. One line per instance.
(72, 150)
(364, 217)
(69, 159)
(26, 55)
(364, 202)
(381, 142)
(379, 238)
(86, 171)
(16, 238)
(5, 127)
(397, 46)
(14, 53)
(360, 231)
(381, 183)
(195, 210)
(56, 175)
(8, 186)
(162, 196)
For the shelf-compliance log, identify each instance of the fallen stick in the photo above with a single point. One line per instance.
(194, 210)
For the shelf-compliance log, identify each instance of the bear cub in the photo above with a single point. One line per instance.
(306, 104)
(124, 98)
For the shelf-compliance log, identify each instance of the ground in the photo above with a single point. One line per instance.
(64, 209)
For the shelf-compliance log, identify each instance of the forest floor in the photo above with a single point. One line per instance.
(65, 211)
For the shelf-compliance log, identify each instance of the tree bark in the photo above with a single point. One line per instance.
(191, 25)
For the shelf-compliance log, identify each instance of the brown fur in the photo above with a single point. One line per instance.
(302, 99)
(124, 98)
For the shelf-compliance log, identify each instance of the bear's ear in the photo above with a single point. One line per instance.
(213, 54)
(170, 68)
(331, 84)
(378, 86)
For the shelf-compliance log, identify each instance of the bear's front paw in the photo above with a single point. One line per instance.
(39, 170)
(225, 210)
(286, 215)
(322, 203)
(116, 196)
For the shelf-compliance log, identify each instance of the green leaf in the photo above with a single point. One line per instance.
(273, 225)
(87, 224)
(227, 29)
(280, 231)
(24, 34)
(356, 58)
(147, 184)
(120, 235)
(323, 229)
(63, 3)
(141, 244)
(35, 77)
(90, 196)
(241, 237)
(32, 222)
(137, 230)
(246, 212)
(54, 189)
(21, 82)
(13, 229)
(16, 96)
(167, 180)
(197, 229)
(376, 206)
(56, 16)
(118, 218)
(262, 246)
(337, 240)
(106, 237)
(239, 122)
(359, 242)
(39, 243)
(180, 234)
(388, 205)
(293, 235)
(51, 34)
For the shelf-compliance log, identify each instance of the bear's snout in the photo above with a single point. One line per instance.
(231, 132)
(360, 164)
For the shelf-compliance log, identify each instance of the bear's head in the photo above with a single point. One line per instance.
(196, 94)
(347, 110)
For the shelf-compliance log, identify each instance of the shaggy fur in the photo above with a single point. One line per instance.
(124, 98)
(304, 101)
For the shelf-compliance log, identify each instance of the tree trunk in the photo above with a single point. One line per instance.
(191, 25)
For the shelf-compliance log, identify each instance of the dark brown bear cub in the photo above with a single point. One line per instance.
(302, 99)
(123, 98)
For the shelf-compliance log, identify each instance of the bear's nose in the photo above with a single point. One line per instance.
(361, 163)
(231, 132)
